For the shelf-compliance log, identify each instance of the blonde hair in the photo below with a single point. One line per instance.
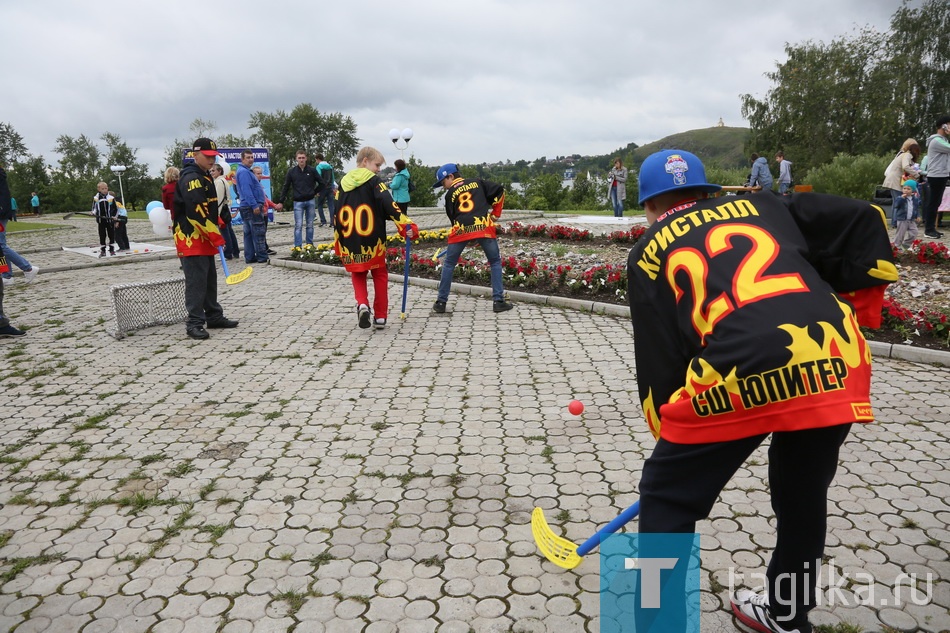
(369, 153)
(171, 174)
(908, 144)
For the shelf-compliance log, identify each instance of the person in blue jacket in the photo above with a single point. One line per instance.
(760, 175)
(253, 215)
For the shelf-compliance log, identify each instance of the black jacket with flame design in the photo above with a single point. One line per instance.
(746, 312)
(362, 206)
(473, 205)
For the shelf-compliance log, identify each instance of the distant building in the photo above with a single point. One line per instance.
(721, 123)
(569, 174)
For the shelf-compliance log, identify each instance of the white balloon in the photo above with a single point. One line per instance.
(161, 220)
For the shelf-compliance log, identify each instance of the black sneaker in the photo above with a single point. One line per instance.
(379, 324)
(502, 306)
(198, 333)
(221, 323)
(439, 307)
(752, 609)
(8, 331)
(271, 251)
(933, 235)
(362, 313)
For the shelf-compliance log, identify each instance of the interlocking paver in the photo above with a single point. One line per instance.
(268, 480)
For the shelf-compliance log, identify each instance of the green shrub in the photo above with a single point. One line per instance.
(847, 175)
(727, 177)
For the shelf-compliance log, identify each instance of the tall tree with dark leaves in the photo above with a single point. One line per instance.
(12, 147)
(305, 127)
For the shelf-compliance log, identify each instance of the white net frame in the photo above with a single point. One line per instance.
(141, 305)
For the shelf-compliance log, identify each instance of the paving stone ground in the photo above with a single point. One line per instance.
(300, 474)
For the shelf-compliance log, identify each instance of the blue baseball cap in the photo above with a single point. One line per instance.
(672, 169)
(445, 170)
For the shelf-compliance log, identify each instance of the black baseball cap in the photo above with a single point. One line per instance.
(206, 146)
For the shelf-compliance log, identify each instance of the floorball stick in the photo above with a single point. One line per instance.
(563, 552)
(236, 278)
(405, 281)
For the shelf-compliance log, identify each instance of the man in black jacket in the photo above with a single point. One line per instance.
(306, 184)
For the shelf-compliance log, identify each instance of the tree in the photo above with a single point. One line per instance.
(859, 94)
(544, 192)
(27, 176)
(917, 70)
(74, 181)
(11, 145)
(137, 186)
(586, 193)
(80, 160)
(421, 176)
(333, 135)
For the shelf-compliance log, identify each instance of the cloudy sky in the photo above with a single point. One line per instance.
(476, 81)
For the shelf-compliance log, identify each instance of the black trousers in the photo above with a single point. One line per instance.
(201, 290)
(122, 235)
(680, 484)
(106, 228)
(937, 186)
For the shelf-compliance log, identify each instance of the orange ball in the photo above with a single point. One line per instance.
(576, 407)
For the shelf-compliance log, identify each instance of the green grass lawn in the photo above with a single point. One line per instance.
(20, 225)
(49, 221)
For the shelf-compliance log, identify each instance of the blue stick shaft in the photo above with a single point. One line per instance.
(405, 282)
(223, 263)
(625, 517)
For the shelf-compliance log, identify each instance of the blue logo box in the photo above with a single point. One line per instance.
(649, 583)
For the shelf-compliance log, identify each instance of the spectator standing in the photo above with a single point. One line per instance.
(231, 249)
(900, 169)
(472, 205)
(689, 354)
(617, 187)
(760, 175)
(105, 210)
(305, 183)
(35, 204)
(121, 227)
(784, 173)
(938, 170)
(360, 235)
(13, 210)
(327, 194)
(252, 210)
(168, 189)
(197, 238)
(11, 256)
(269, 207)
(906, 211)
(400, 185)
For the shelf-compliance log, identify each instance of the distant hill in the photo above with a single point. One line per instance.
(720, 146)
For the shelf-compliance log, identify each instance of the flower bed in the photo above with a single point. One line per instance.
(607, 282)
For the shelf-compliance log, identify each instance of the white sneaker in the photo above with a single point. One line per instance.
(31, 274)
(362, 313)
(752, 609)
(7, 281)
(379, 324)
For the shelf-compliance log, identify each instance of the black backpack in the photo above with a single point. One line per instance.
(412, 185)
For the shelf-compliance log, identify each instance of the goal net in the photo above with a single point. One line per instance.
(142, 305)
